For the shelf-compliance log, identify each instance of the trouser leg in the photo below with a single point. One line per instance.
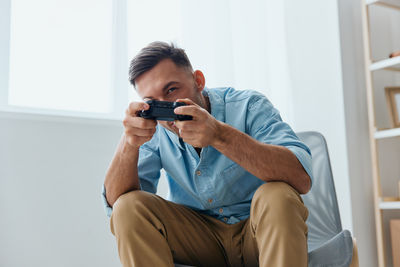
(276, 233)
(151, 231)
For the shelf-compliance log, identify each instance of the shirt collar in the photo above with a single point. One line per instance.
(217, 104)
(217, 111)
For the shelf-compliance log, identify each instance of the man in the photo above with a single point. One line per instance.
(235, 173)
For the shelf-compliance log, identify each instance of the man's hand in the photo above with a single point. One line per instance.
(138, 130)
(202, 131)
(265, 161)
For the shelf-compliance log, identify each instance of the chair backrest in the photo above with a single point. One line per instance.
(324, 218)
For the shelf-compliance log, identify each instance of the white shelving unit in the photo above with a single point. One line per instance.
(390, 64)
(387, 64)
(389, 205)
(388, 3)
(387, 133)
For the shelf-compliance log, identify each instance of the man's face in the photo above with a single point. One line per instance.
(168, 82)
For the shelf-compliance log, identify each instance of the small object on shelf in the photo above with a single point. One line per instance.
(393, 102)
(395, 54)
(387, 199)
(395, 236)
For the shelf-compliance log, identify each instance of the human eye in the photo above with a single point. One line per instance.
(170, 90)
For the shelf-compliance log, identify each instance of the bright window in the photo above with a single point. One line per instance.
(61, 55)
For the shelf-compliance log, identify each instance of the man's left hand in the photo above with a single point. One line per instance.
(202, 130)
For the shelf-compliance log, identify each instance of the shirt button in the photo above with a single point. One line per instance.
(198, 173)
(221, 210)
(225, 219)
(210, 200)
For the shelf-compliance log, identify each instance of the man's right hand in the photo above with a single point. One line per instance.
(138, 130)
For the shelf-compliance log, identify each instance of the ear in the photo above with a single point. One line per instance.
(199, 80)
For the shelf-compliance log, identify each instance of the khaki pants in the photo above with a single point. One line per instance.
(151, 231)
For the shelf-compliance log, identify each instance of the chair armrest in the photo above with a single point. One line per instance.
(338, 251)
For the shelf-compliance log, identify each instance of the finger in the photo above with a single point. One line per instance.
(191, 134)
(135, 107)
(187, 101)
(192, 141)
(188, 110)
(138, 122)
(187, 135)
(186, 125)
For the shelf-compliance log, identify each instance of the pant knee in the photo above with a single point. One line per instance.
(130, 201)
(131, 210)
(277, 201)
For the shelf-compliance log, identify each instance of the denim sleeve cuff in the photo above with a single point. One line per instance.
(304, 158)
(107, 208)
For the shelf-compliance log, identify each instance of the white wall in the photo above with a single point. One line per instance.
(51, 172)
(317, 92)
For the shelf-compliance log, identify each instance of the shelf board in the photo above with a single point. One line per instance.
(387, 3)
(380, 134)
(390, 64)
(389, 205)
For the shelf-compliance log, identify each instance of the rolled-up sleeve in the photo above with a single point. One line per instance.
(107, 207)
(304, 157)
(264, 123)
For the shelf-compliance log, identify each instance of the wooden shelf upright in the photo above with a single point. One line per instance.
(390, 64)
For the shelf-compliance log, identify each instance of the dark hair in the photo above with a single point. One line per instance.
(152, 54)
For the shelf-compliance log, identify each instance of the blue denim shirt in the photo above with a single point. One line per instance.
(212, 183)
